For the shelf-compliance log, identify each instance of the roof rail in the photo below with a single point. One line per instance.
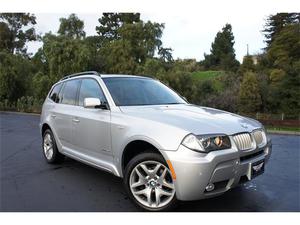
(80, 74)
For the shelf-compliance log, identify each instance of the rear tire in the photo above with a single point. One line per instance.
(50, 151)
(149, 184)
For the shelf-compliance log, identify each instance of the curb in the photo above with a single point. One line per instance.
(20, 113)
(283, 132)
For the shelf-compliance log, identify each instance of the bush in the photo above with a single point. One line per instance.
(23, 104)
(28, 104)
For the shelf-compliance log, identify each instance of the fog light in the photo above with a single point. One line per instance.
(210, 187)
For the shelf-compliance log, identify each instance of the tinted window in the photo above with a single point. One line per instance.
(140, 91)
(54, 93)
(90, 89)
(69, 92)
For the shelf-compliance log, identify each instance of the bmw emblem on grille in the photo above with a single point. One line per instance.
(243, 125)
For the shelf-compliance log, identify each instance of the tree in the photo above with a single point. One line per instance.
(275, 23)
(64, 55)
(111, 22)
(222, 52)
(285, 48)
(71, 27)
(15, 30)
(247, 64)
(135, 44)
(283, 57)
(249, 94)
(15, 72)
(165, 54)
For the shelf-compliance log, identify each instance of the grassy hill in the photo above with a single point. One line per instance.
(209, 76)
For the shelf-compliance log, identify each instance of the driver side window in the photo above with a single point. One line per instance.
(90, 89)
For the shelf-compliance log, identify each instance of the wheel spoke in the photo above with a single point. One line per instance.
(139, 183)
(148, 195)
(157, 197)
(142, 178)
(161, 178)
(154, 172)
(143, 166)
(163, 192)
(141, 192)
(163, 175)
(168, 185)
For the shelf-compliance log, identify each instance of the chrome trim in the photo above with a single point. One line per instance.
(243, 141)
(260, 137)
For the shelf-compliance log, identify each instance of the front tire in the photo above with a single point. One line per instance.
(50, 151)
(149, 182)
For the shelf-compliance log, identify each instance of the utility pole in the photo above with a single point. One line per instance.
(247, 50)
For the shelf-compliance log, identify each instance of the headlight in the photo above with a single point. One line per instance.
(206, 143)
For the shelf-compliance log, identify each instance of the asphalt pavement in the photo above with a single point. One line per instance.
(29, 184)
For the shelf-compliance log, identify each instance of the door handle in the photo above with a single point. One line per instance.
(76, 120)
(53, 116)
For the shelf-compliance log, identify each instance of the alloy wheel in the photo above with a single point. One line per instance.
(151, 184)
(48, 146)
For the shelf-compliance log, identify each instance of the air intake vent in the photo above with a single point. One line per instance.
(243, 141)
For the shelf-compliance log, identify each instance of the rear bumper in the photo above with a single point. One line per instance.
(225, 169)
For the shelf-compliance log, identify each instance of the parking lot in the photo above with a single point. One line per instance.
(29, 184)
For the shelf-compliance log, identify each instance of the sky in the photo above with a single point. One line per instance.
(189, 30)
(188, 36)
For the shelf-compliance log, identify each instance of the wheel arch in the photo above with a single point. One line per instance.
(136, 147)
(45, 126)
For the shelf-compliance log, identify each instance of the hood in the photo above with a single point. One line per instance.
(194, 119)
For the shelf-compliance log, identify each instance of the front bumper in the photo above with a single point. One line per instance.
(225, 169)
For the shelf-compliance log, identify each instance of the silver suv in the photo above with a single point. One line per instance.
(139, 129)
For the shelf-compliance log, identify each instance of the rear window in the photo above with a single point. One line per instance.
(69, 92)
(54, 93)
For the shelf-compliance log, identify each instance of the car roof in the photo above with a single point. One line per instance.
(101, 76)
(122, 75)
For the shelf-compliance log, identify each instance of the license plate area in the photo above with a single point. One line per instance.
(257, 168)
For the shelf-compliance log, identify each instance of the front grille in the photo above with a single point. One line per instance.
(259, 137)
(243, 141)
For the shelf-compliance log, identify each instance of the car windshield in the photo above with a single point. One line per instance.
(130, 91)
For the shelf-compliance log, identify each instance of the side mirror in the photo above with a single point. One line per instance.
(94, 103)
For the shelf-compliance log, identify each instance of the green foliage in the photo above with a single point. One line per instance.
(283, 60)
(249, 94)
(165, 54)
(285, 48)
(15, 30)
(247, 65)
(127, 45)
(152, 67)
(111, 22)
(275, 23)
(209, 74)
(41, 84)
(222, 55)
(181, 82)
(64, 55)
(138, 42)
(14, 76)
(71, 27)
(28, 104)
